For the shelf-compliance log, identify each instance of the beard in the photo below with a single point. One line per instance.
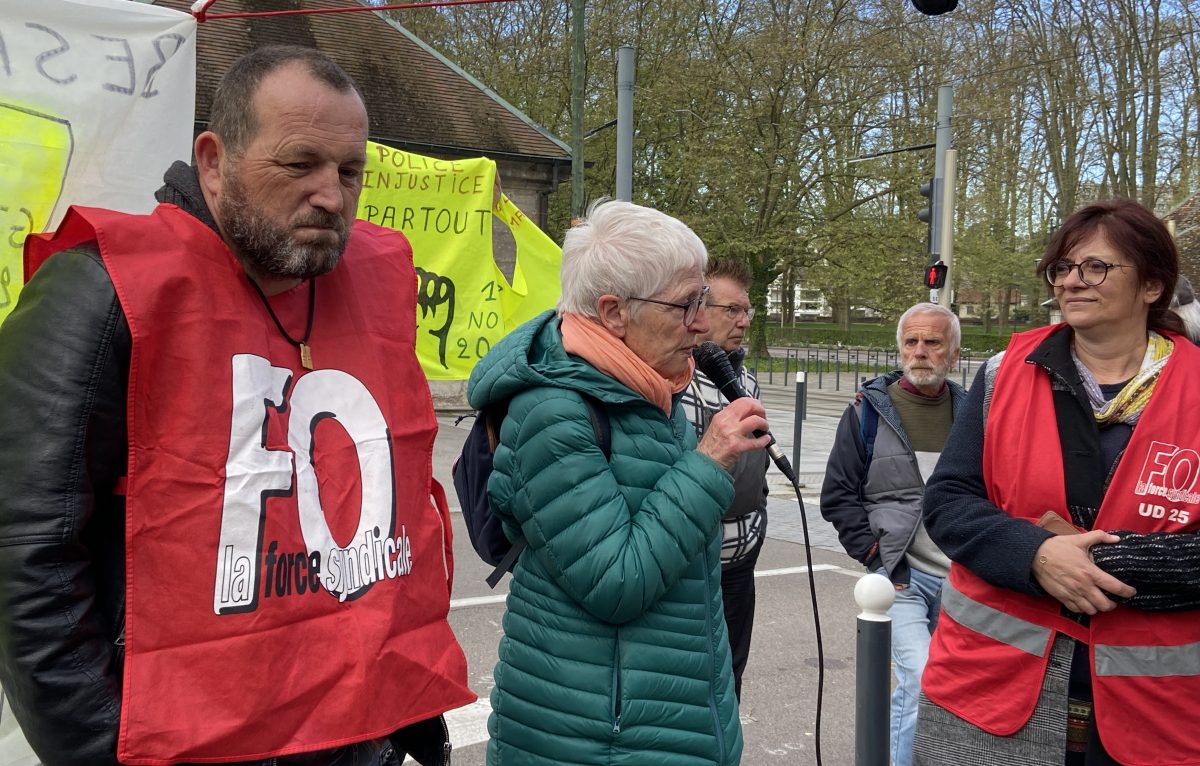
(270, 250)
(928, 375)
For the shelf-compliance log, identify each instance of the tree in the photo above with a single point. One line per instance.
(749, 113)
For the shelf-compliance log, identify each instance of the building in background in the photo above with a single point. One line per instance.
(808, 303)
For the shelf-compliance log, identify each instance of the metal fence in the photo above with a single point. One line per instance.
(833, 368)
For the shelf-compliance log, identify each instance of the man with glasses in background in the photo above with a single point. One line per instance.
(744, 525)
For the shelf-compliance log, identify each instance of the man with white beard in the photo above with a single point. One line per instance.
(886, 446)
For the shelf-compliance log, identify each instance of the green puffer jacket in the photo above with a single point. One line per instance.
(614, 647)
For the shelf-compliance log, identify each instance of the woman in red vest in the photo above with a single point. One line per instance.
(1067, 497)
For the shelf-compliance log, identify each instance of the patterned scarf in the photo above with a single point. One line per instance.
(1127, 405)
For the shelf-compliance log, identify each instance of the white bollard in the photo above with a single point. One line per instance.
(874, 594)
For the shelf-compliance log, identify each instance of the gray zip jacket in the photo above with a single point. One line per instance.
(875, 502)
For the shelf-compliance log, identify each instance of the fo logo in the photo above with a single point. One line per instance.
(1170, 472)
(254, 473)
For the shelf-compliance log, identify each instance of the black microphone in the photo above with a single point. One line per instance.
(714, 362)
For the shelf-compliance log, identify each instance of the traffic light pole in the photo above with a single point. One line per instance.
(625, 86)
(578, 47)
(945, 296)
(940, 212)
(944, 137)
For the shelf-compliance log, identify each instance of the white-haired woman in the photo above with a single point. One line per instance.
(614, 647)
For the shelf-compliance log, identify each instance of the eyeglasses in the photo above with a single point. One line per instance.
(1092, 271)
(690, 309)
(734, 311)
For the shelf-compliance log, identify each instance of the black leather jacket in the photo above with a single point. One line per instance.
(64, 360)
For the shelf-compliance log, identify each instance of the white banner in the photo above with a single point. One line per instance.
(97, 98)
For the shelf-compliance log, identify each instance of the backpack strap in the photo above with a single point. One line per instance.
(493, 417)
(602, 428)
(868, 424)
(508, 562)
(600, 425)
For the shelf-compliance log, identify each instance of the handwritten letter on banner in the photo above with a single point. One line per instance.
(444, 207)
(97, 97)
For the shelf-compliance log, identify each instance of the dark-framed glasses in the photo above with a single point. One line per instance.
(690, 309)
(735, 311)
(1092, 271)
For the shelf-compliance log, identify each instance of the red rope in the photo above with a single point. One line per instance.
(200, 9)
(203, 15)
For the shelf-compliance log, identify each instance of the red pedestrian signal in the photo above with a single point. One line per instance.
(935, 276)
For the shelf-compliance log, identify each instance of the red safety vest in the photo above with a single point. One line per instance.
(989, 653)
(288, 575)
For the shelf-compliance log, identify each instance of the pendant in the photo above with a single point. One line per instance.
(306, 356)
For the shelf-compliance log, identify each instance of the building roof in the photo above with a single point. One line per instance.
(417, 99)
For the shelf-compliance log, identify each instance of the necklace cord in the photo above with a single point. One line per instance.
(312, 302)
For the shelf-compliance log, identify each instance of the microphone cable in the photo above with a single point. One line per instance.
(812, 589)
(712, 360)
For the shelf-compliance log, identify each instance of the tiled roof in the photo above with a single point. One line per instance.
(416, 98)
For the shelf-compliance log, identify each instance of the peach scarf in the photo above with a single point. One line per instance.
(587, 338)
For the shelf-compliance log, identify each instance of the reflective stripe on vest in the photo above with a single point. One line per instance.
(1148, 661)
(1029, 637)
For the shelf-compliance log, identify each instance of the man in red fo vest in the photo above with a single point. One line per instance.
(220, 539)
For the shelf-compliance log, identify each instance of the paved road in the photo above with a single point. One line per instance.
(779, 702)
(780, 688)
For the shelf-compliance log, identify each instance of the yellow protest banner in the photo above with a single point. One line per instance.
(535, 286)
(31, 177)
(444, 207)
